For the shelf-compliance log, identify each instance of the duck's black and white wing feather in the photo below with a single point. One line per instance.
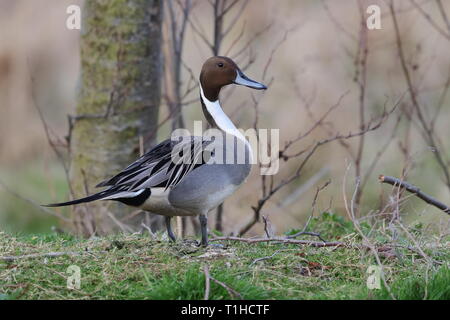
(164, 166)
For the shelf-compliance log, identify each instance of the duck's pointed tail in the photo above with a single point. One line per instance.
(97, 196)
(133, 198)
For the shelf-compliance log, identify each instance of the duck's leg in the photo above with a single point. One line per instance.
(169, 229)
(204, 229)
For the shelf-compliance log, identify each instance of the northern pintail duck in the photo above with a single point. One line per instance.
(161, 184)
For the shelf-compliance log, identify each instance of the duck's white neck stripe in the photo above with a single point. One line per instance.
(223, 122)
(220, 118)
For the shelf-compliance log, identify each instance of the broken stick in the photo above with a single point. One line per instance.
(414, 190)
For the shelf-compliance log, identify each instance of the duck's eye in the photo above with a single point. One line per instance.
(220, 65)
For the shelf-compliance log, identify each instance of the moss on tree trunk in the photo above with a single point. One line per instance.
(118, 100)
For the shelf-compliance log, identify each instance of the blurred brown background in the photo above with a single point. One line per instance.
(316, 60)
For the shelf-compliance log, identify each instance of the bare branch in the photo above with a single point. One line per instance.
(431, 21)
(444, 15)
(275, 49)
(415, 190)
(428, 134)
(337, 24)
(371, 125)
(251, 40)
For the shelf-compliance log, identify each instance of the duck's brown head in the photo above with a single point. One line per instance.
(218, 72)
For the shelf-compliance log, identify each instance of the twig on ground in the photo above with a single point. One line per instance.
(413, 240)
(314, 234)
(415, 190)
(207, 282)
(150, 232)
(316, 244)
(233, 293)
(264, 258)
(42, 255)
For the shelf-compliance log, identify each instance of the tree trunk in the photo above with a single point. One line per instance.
(118, 102)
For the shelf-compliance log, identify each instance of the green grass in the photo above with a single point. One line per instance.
(138, 267)
(416, 287)
(38, 182)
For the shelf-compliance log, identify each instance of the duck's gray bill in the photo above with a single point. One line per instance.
(243, 80)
